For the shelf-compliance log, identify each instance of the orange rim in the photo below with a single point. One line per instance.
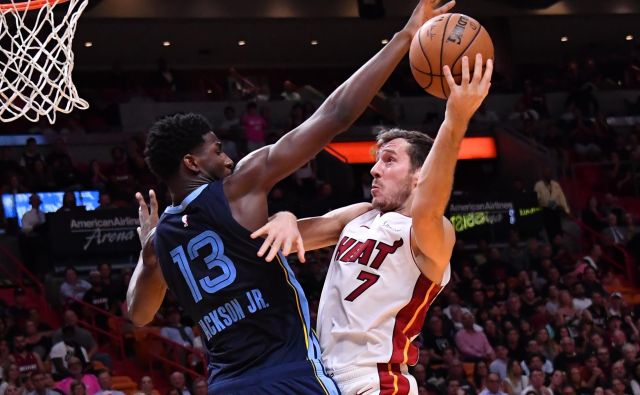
(29, 5)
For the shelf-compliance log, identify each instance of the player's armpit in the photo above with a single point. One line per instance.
(147, 287)
(324, 231)
(432, 241)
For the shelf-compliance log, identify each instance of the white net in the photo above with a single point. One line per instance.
(36, 60)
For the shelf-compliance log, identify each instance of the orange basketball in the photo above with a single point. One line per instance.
(444, 41)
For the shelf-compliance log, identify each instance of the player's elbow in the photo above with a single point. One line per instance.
(139, 318)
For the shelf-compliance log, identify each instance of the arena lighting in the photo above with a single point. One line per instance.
(629, 37)
(384, 41)
(564, 39)
(166, 43)
(88, 44)
(242, 43)
(354, 152)
(314, 42)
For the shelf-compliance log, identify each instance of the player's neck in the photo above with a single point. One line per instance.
(180, 189)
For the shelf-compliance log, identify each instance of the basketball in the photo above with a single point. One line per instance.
(444, 41)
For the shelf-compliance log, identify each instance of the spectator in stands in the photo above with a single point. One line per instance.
(100, 298)
(200, 387)
(592, 216)
(69, 203)
(62, 351)
(12, 389)
(11, 376)
(30, 155)
(81, 336)
(480, 375)
(254, 127)
(473, 345)
(73, 288)
(580, 300)
(230, 133)
(105, 202)
(37, 341)
(40, 385)
(537, 384)
(77, 388)
(76, 371)
(175, 331)
(34, 219)
(553, 203)
(178, 382)
(629, 227)
(568, 357)
(19, 311)
(493, 386)
(146, 387)
(97, 178)
(516, 381)
(499, 364)
(289, 91)
(614, 233)
(106, 384)
(27, 360)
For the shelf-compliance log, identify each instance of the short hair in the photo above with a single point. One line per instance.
(419, 144)
(170, 139)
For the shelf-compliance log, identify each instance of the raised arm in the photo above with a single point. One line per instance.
(339, 111)
(147, 286)
(433, 235)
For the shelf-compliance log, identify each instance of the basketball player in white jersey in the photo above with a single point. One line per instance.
(392, 256)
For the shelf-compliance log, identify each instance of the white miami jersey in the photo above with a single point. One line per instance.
(375, 299)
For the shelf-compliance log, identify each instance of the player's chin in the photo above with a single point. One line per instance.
(378, 203)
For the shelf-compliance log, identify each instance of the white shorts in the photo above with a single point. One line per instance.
(384, 379)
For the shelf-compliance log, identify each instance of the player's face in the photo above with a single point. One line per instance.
(213, 163)
(393, 177)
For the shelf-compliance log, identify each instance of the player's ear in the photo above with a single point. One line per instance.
(191, 163)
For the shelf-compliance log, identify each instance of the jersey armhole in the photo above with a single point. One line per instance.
(446, 276)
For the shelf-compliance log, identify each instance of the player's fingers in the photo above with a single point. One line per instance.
(286, 248)
(488, 71)
(445, 8)
(477, 69)
(447, 75)
(265, 246)
(300, 248)
(465, 71)
(261, 232)
(153, 202)
(143, 210)
(275, 248)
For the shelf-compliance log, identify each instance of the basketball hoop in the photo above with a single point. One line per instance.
(36, 59)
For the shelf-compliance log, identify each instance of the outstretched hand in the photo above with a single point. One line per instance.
(465, 98)
(424, 11)
(148, 216)
(280, 232)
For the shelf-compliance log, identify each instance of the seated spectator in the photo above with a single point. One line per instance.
(557, 381)
(614, 233)
(289, 91)
(634, 384)
(76, 371)
(11, 389)
(69, 203)
(499, 364)
(580, 301)
(480, 375)
(73, 288)
(65, 349)
(38, 342)
(548, 347)
(473, 344)
(175, 331)
(178, 382)
(27, 361)
(81, 336)
(516, 381)
(39, 383)
(592, 216)
(10, 377)
(97, 296)
(436, 340)
(537, 384)
(493, 386)
(200, 387)
(535, 361)
(77, 388)
(146, 387)
(106, 384)
(254, 127)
